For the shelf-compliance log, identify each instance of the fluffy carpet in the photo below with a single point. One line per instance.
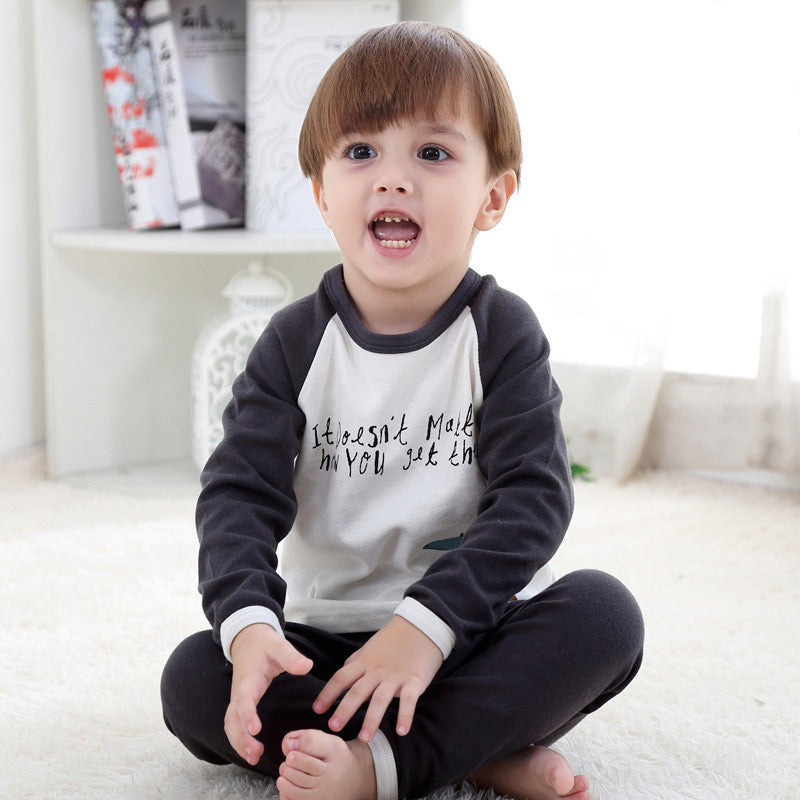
(97, 585)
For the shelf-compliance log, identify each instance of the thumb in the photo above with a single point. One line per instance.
(293, 661)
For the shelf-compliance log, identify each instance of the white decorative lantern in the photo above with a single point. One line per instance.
(221, 350)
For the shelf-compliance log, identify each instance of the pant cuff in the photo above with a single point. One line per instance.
(385, 767)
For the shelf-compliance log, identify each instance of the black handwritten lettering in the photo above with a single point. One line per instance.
(380, 435)
(398, 437)
(412, 457)
(421, 454)
(345, 437)
(454, 456)
(329, 462)
(465, 456)
(453, 425)
(468, 422)
(434, 424)
(432, 462)
(360, 461)
(326, 435)
(365, 446)
(467, 453)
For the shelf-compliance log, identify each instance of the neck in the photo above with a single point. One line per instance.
(395, 316)
(391, 312)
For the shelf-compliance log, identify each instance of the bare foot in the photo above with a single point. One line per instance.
(321, 766)
(535, 773)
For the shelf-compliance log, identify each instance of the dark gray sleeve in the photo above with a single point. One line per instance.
(247, 502)
(527, 505)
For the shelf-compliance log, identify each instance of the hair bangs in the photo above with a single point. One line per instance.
(409, 70)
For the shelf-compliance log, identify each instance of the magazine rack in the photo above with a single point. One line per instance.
(122, 310)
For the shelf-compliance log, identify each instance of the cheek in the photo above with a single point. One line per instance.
(339, 210)
(460, 214)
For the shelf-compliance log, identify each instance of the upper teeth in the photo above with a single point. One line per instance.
(392, 218)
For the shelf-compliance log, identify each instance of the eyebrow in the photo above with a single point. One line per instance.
(445, 130)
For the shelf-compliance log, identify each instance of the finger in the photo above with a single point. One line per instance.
(248, 716)
(381, 698)
(355, 697)
(248, 748)
(405, 712)
(291, 660)
(339, 682)
(246, 693)
(252, 751)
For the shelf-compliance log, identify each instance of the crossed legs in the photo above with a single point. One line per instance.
(550, 661)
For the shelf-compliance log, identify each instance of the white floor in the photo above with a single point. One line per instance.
(97, 584)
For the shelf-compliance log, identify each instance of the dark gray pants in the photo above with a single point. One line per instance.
(551, 661)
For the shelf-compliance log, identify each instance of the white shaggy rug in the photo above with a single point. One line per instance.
(97, 584)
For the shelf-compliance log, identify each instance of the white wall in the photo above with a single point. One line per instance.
(722, 77)
(661, 173)
(658, 211)
(21, 379)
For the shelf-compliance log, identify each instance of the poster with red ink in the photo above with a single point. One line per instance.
(199, 57)
(134, 113)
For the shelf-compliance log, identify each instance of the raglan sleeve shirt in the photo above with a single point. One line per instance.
(248, 503)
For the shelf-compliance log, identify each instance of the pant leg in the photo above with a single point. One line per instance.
(551, 661)
(196, 688)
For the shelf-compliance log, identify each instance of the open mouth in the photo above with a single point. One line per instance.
(394, 230)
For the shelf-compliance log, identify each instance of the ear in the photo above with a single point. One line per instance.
(319, 199)
(500, 192)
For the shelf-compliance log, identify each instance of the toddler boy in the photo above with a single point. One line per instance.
(399, 432)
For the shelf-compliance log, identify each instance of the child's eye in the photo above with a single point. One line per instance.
(360, 152)
(432, 152)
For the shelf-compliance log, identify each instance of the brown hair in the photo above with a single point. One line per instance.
(410, 70)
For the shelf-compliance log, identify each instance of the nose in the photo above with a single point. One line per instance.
(389, 186)
(385, 189)
(393, 178)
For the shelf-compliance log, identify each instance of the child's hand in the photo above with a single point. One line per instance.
(259, 655)
(398, 661)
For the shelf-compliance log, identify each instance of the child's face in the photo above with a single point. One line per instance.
(433, 177)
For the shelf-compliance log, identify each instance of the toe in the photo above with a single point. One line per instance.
(298, 779)
(581, 785)
(303, 762)
(287, 790)
(560, 777)
(581, 795)
(319, 744)
(553, 771)
(289, 742)
(580, 789)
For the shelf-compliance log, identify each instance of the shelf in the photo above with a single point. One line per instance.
(122, 309)
(207, 242)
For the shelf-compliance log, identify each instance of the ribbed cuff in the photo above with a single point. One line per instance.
(435, 628)
(241, 619)
(385, 767)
